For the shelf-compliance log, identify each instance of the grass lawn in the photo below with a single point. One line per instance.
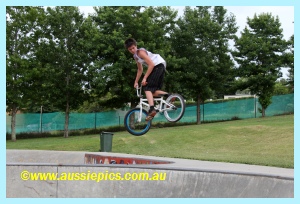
(262, 141)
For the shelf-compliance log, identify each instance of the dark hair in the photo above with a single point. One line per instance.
(129, 42)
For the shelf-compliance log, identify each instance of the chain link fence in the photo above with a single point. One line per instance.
(210, 111)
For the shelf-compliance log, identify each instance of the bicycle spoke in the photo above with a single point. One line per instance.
(175, 108)
(135, 124)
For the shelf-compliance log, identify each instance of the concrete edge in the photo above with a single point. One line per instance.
(156, 167)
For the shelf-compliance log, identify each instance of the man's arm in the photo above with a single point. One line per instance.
(142, 54)
(138, 74)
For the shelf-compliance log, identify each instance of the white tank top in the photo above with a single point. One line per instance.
(156, 58)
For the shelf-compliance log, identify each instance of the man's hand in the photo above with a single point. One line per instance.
(144, 82)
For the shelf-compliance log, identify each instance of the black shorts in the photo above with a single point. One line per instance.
(155, 79)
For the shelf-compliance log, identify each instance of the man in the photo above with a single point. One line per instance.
(153, 78)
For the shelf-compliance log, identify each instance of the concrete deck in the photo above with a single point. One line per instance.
(176, 178)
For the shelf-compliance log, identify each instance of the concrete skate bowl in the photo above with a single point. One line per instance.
(112, 175)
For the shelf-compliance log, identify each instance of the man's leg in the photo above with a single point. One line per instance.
(149, 97)
(152, 111)
(158, 93)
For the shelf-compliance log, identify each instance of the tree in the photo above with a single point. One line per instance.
(202, 38)
(288, 60)
(22, 25)
(115, 70)
(223, 78)
(66, 52)
(281, 87)
(259, 56)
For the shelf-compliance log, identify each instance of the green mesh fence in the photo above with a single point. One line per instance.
(210, 111)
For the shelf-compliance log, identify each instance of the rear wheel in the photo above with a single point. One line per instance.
(175, 108)
(135, 124)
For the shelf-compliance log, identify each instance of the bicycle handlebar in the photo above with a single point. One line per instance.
(139, 91)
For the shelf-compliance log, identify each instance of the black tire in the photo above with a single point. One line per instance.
(176, 109)
(135, 127)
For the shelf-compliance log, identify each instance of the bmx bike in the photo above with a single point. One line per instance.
(172, 108)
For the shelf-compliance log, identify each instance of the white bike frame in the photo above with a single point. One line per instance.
(143, 102)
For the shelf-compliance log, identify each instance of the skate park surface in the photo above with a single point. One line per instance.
(171, 177)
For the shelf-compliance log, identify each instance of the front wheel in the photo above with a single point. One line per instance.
(175, 107)
(135, 122)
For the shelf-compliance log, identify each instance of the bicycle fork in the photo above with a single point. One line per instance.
(140, 114)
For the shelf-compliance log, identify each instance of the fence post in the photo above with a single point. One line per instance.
(95, 119)
(255, 106)
(203, 111)
(41, 119)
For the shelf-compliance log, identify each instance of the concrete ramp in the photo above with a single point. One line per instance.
(60, 174)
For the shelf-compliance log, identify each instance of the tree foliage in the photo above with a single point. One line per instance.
(63, 61)
(259, 56)
(281, 87)
(49, 52)
(288, 60)
(65, 51)
(115, 70)
(202, 38)
(22, 25)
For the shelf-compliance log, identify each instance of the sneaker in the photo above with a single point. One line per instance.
(151, 115)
